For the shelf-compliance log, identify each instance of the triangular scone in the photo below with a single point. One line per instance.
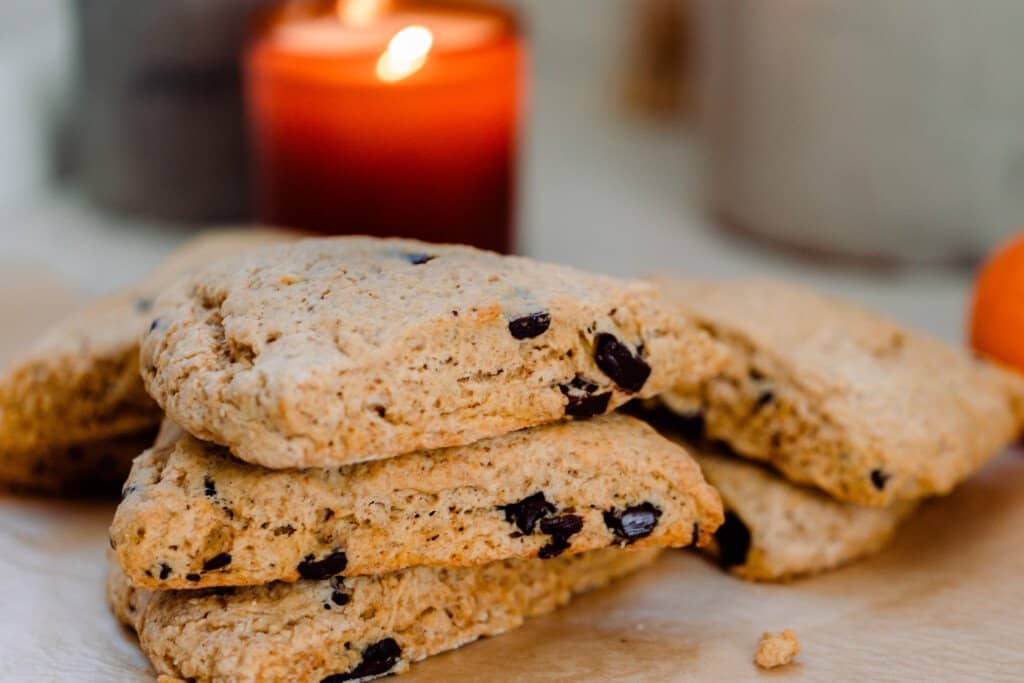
(841, 398)
(193, 516)
(350, 629)
(331, 351)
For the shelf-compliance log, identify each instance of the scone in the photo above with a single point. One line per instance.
(350, 629)
(841, 398)
(80, 383)
(331, 351)
(775, 530)
(193, 516)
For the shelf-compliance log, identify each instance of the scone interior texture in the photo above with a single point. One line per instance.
(354, 628)
(338, 350)
(840, 398)
(193, 516)
(79, 385)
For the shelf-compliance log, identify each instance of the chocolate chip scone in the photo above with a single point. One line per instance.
(80, 385)
(193, 516)
(350, 629)
(332, 351)
(841, 398)
(775, 530)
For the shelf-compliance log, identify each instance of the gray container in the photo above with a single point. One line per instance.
(160, 127)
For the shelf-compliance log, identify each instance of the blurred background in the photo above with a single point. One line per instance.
(866, 147)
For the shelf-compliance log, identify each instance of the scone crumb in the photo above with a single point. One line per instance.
(776, 649)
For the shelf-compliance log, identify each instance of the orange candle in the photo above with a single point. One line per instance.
(397, 120)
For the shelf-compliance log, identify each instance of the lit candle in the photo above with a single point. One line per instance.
(395, 121)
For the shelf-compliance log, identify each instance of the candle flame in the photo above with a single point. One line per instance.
(406, 53)
(361, 12)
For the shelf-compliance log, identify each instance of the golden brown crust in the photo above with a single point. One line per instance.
(195, 517)
(841, 398)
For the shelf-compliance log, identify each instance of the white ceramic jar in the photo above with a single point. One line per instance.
(885, 129)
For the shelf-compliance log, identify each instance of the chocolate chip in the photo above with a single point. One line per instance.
(582, 401)
(165, 570)
(633, 523)
(339, 598)
(209, 488)
(560, 529)
(153, 325)
(879, 478)
(192, 577)
(615, 359)
(143, 305)
(733, 539)
(334, 563)
(764, 398)
(217, 561)
(526, 513)
(378, 659)
(695, 534)
(530, 326)
(418, 259)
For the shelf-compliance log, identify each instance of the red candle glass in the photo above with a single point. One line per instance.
(403, 123)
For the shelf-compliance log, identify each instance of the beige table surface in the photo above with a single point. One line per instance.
(946, 602)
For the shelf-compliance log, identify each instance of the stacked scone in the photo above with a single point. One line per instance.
(858, 419)
(378, 450)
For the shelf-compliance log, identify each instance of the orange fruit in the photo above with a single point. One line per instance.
(997, 313)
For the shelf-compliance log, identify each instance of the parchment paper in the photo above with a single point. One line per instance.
(945, 603)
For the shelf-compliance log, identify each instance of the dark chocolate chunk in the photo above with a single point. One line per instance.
(633, 523)
(209, 488)
(530, 326)
(334, 563)
(340, 598)
(764, 398)
(526, 513)
(582, 400)
(192, 577)
(165, 570)
(733, 539)
(615, 359)
(560, 529)
(378, 659)
(418, 259)
(879, 478)
(143, 305)
(217, 561)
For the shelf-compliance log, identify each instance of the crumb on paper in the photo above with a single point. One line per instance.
(776, 649)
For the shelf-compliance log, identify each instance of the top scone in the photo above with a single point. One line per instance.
(841, 398)
(339, 350)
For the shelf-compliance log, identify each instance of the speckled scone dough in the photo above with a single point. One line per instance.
(332, 351)
(193, 516)
(841, 398)
(775, 530)
(80, 383)
(350, 629)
